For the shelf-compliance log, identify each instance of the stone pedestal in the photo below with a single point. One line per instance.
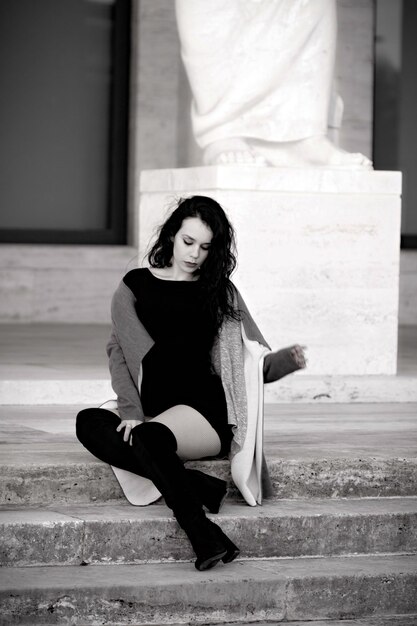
(318, 255)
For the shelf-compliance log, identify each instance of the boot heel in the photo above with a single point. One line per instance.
(211, 491)
(232, 551)
(215, 506)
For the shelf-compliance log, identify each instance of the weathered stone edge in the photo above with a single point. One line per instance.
(320, 478)
(330, 589)
(72, 540)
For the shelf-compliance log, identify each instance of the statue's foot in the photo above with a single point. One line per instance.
(233, 151)
(311, 152)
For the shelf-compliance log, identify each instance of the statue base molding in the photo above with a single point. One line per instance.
(318, 255)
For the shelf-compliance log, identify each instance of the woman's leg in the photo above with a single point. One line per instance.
(196, 437)
(153, 455)
(96, 430)
(155, 448)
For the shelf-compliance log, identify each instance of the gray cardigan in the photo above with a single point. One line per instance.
(129, 342)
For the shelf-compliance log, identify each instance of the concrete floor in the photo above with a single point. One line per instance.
(77, 351)
(51, 351)
(66, 364)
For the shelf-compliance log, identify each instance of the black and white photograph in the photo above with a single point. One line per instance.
(208, 312)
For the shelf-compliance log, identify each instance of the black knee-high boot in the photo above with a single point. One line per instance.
(154, 446)
(211, 491)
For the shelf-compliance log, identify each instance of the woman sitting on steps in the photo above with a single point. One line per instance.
(187, 363)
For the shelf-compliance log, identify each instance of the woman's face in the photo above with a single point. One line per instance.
(191, 246)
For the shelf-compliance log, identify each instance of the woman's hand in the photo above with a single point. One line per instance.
(127, 425)
(297, 353)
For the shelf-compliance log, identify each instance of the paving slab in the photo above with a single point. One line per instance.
(69, 535)
(382, 430)
(247, 591)
(301, 390)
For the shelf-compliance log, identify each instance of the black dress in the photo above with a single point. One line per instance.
(178, 369)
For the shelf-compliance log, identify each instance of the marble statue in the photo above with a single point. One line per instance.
(261, 75)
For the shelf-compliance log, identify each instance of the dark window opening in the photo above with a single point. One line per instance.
(395, 105)
(64, 74)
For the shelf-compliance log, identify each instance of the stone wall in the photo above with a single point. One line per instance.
(72, 284)
(408, 288)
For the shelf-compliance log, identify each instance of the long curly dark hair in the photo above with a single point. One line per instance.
(215, 272)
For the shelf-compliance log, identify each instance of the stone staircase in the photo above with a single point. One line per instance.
(336, 545)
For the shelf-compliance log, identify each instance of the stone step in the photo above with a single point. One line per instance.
(271, 590)
(71, 535)
(392, 620)
(83, 482)
(323, 451)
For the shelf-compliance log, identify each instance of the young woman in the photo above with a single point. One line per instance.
(187, 363)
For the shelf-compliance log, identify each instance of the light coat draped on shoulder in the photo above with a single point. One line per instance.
(243, 360)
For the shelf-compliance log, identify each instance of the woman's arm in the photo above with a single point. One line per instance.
(128, 399)
(282, 362)
(276, 364)
(127, 345)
